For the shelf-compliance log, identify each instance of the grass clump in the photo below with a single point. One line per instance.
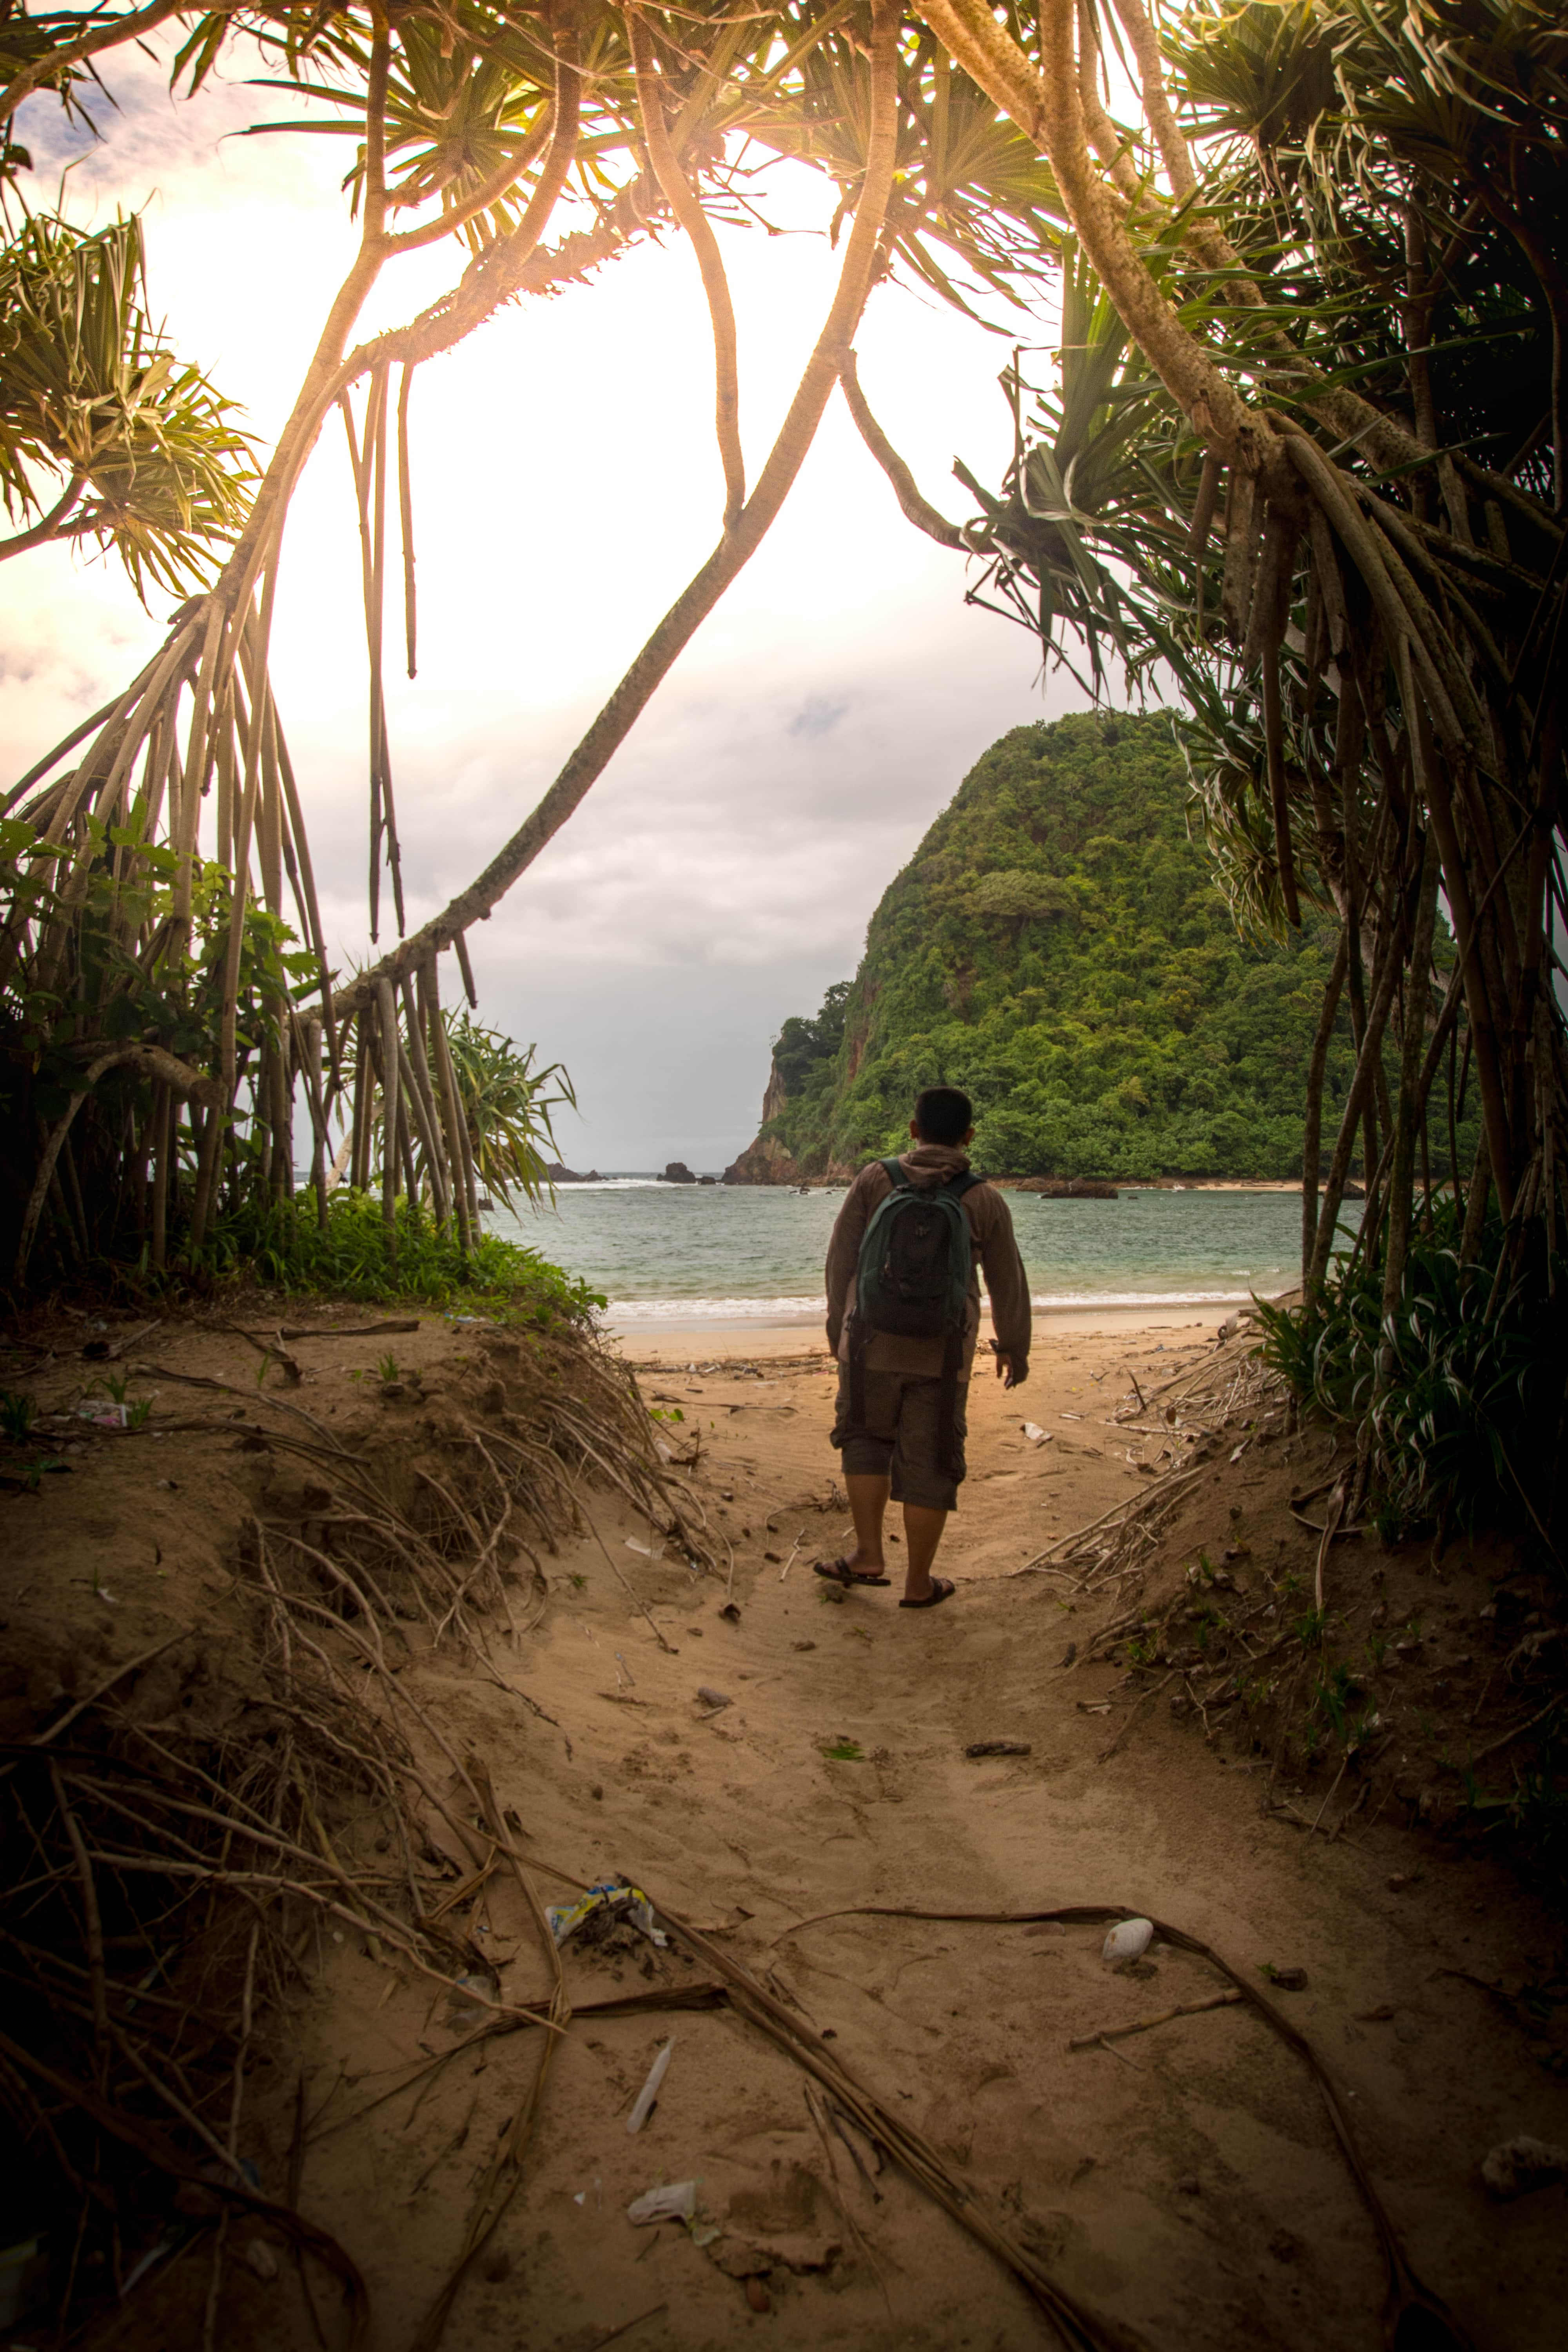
(354, 1254)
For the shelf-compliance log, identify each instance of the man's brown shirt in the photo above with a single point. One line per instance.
(994, 1250)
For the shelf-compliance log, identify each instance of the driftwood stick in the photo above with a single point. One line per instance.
(101, 1690)
(632, 1591)
(627, 2326)
(1329, 1800)
(1518, 1732)
(343, 1330)
(1164, 1488)
(1335, 1513)
(93, 1922)
(1225, 1999)
(150, 2143)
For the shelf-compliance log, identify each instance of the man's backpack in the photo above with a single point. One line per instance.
(912, 1282)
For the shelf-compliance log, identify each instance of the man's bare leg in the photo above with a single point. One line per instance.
(922, 1533)
(867, 1502)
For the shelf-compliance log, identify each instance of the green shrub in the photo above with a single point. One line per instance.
(1463, 1390)
(353, 1257)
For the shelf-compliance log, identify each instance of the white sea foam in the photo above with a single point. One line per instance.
(768, 1310)
(712, 1310)
(622, 1184)
(1141, 1298)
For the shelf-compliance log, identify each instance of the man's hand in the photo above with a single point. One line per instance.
(1011, 1375)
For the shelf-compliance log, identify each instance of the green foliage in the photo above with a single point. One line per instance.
(60, 1014)
(1533, 1815)
(804, 1046)
(508, 1105)
(1057, 947)
(1462, 1407)
(351, 1257)
(1339, 118)
(19, 1411)
(1143, 1648)
(92, 397)
(457, 110)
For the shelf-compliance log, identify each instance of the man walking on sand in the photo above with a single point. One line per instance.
(899, 1426)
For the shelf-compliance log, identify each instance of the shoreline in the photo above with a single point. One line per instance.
(640, 1343)
(629, 1176)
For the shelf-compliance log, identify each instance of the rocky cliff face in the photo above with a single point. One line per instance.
(765, 1161)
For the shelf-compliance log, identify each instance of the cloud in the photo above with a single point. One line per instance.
(720, 873)
(819, 714)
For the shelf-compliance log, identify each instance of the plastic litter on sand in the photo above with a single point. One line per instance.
(645, 2097)
(675, 2201)
(628, 1903)
(102, 1415)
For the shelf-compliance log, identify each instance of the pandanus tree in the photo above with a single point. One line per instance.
(161, 1027)
(1308, 459)
(1305, 459)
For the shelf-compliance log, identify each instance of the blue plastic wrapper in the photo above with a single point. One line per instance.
(612, 1898)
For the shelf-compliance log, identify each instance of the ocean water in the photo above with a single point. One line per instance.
(694, 1253)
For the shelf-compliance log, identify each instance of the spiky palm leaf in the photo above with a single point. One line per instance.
(91, 390)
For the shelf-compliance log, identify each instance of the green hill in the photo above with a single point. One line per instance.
(1057, 947)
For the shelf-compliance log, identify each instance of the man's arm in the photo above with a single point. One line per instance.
(1008, 1284)
(843, 1253)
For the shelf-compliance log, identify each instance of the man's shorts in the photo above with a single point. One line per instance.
(902, 1413)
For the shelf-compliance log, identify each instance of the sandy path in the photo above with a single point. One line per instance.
(1189, 2186)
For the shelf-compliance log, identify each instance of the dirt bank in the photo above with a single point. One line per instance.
(1183, 2183)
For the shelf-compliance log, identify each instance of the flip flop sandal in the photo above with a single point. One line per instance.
(942, 1588)
(840, 1572)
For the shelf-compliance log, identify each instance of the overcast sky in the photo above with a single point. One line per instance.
(722, 873)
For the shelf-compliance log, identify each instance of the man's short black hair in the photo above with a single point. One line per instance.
(943, 1114)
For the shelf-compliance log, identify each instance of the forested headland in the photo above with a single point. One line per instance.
(1057, 947)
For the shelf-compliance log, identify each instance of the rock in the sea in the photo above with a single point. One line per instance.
(559, 1175)
(678, 1173)
(1069, 1188)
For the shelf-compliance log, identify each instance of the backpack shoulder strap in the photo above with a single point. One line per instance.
(958, 1185)
(897, 1175)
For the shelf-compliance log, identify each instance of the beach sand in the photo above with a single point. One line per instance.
(758, 1749)
(646, 1342)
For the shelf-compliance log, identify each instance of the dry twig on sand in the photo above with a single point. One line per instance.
(209, 1839)
(1412, 2314)
(1225, 1999)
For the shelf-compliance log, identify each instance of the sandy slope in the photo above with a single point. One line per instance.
(1189, 2186)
